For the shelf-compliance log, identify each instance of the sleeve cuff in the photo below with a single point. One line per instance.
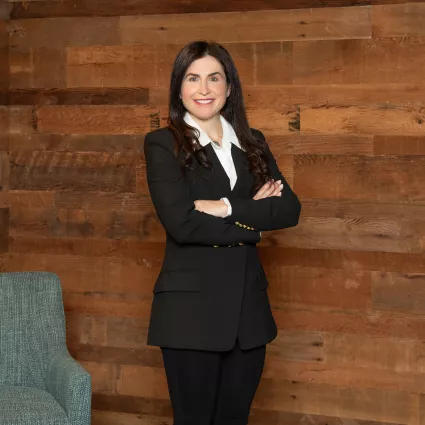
(229, 207)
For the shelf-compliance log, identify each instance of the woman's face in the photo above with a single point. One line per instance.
(204, 88)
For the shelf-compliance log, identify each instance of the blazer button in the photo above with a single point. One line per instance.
(241, 243)
(215, 246)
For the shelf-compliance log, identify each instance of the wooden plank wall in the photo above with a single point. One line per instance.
(339, 93)
(4, 130)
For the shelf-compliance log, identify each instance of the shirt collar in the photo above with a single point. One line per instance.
(229, 135)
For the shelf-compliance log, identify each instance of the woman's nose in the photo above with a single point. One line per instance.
(203, 88)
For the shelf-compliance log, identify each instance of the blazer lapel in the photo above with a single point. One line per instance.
(219, 180)
(245, 180)
(216, 177)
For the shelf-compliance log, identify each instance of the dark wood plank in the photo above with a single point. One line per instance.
(5, 9)
(4, 230)
(99, 119)
(4, 262)
(120, 355)
(134, 250)
(402, 292)
(76, 142)
(109, 224)
(356, 260)
(79, 96)
(4, 53)
(38, 170)
(4, 168)
(132, 404)
(383, 324)
(43, 9)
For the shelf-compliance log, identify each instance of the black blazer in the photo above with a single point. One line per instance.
(212, 286)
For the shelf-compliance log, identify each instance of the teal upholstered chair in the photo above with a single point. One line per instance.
(40, 383)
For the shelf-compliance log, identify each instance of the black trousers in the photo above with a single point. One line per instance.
(212, 388)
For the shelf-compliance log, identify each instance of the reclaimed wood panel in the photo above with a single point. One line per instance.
(253, 26)
(4, 142)
(89, 171)
(4, 230)
(363, 403)
(347, 376)
(45, 9)
(375, 353)
(403, 292)
(314, 287)
(383, 179)
(338, 93)
(398, 20)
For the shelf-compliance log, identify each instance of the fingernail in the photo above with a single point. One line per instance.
(279, 181)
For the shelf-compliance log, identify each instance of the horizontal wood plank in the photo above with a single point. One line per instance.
(47, 170)
(356, 260)
(79, 96)
(375, 353)
(44, 8)
(75, 142)
(398, 20)
(253, 26)
(403, 292)
(360, 178)
(347, 376)
(4, 230)
(358, 403)
(316, 287)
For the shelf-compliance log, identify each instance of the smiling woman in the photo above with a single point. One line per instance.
(204, 93)
(215, 186)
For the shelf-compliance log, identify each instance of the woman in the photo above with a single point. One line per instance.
(215, 186)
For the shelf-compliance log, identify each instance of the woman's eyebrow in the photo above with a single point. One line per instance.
(209, 75)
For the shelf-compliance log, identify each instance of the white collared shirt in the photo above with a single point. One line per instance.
(223, 152)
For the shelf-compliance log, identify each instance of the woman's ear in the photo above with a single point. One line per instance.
(228, 90)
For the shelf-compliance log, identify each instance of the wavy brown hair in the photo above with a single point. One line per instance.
(233, 111)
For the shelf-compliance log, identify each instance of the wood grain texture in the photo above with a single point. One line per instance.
(4, 141)
(44, 9)
(337, 89)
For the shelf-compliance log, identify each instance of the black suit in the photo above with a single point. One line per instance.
(212, 286)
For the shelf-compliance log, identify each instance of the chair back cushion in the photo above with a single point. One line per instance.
(32, 326)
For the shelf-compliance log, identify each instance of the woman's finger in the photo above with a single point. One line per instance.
(262, 192)
(277, 190)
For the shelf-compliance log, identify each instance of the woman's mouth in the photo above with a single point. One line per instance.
(204, 101)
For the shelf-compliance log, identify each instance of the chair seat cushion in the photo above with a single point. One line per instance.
(29, 406)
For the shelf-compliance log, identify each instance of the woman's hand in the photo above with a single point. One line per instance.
(270, 188)
(215, 208)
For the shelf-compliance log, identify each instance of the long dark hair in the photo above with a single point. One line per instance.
(233, 111)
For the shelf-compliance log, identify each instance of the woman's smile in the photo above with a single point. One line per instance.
(204, 101)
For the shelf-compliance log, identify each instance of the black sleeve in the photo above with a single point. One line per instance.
(174, 206)
(269, 213)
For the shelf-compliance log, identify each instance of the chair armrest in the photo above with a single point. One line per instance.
(70, 385)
